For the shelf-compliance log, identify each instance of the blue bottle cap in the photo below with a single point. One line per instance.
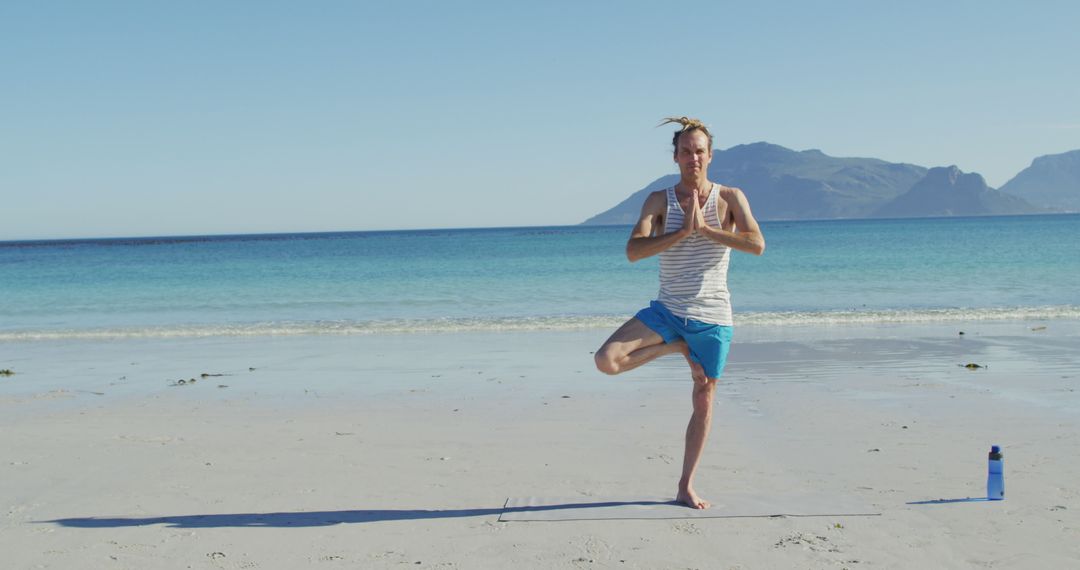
(995, 449)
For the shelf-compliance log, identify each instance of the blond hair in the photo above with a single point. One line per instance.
(689, 124)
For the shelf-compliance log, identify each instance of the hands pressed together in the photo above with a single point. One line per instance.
(694, 220)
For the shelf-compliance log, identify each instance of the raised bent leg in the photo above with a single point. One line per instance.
(632, 345)
(697, 431)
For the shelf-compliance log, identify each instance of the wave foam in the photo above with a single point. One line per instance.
(524, 324)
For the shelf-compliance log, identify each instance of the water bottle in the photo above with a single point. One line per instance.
(995, 481)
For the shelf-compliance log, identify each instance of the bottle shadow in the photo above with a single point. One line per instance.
(947, 501)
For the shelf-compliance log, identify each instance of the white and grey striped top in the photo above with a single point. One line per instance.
(693, 272)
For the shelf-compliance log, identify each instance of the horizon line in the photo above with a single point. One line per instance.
(317, 233)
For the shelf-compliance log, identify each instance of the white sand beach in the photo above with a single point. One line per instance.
(400, 451)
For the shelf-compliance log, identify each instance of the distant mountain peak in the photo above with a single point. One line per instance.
(949, 191)
(1052, 181)
(951, 172)
(952, 176)
(761, 151)
(1055, 158)
(761, 145)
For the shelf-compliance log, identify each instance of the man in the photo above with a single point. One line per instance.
(693, 226)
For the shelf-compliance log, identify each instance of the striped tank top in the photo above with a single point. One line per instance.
(693, 272)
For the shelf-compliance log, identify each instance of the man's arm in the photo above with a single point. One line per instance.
(642, 242)
(747, 235)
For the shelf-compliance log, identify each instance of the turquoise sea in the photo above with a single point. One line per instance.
(813, 272)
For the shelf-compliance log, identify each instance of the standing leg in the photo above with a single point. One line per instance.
(696, 433)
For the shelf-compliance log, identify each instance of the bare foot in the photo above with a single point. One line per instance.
(689, 498)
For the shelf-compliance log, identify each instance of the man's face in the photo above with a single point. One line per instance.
(693, 154)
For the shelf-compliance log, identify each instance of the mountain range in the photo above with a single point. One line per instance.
(785, 184)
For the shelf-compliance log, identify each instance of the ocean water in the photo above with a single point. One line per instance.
(813, 272)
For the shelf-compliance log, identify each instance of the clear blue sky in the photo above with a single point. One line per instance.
(165, 118)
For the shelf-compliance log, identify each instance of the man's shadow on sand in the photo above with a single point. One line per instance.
(321, 518)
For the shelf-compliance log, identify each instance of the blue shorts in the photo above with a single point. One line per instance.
(708, 343)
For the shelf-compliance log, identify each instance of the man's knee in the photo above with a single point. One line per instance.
(605, 361)
(704, 392)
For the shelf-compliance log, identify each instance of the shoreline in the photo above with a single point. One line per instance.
(776, 321)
